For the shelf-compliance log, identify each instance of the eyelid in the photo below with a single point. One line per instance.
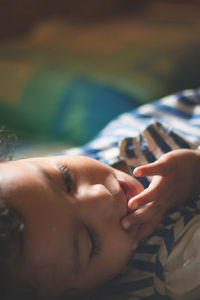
(67, 176)
(95, 241)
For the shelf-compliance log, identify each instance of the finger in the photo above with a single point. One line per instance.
(158, 167)
(143, 214)
(138, 201)
(148, 195)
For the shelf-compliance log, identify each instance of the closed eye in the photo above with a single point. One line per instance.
(66, 174)
(95, 242)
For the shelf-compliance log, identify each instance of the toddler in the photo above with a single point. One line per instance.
(73, 222)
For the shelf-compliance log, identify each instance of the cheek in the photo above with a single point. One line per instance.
(115, 253)
(118, 248)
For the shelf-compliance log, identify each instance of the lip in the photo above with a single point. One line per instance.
(129, 190)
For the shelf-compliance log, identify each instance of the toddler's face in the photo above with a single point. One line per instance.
(72, 208)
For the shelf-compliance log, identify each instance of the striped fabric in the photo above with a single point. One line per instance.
(139, 137)
(180, 111)
(145, 274)
(155, 140)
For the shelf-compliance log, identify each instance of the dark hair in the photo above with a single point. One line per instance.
(11, 246)
(7, 144)
(11, 228)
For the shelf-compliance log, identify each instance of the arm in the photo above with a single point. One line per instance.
(176, 178)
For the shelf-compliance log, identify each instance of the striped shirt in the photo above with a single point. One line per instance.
(142, 136)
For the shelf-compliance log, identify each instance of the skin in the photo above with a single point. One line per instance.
(176, 177)
(58, 215)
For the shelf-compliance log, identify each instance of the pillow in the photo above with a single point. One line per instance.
(47, 102)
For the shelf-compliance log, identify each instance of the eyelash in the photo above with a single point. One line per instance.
(94, 238)
(66, 174)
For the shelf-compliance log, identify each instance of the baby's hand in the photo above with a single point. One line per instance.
(173, 182)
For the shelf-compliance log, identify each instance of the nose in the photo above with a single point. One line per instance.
(97, 200)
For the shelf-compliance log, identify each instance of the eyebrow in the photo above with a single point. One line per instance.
(75, 242)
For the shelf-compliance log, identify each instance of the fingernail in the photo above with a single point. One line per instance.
(133, 206)
(137, 172)
(126, 224)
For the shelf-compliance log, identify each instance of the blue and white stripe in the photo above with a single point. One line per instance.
(180, 111)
